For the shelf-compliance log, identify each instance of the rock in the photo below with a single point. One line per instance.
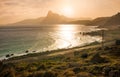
(26, 51)
(33, 51)
(8, 55)
(11, 54)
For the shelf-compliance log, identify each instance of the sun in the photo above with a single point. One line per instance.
(67, 11)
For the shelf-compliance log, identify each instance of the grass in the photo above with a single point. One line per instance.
(63, 66)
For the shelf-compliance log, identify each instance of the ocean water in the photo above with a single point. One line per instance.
(17, 39)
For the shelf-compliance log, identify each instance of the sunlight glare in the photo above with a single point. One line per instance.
(68, 11)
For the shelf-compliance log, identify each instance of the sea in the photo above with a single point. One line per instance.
(16, 40)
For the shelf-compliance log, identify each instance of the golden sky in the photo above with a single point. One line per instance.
(16, 10)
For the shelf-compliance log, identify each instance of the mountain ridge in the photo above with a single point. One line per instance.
(54, 18)
(50, 18)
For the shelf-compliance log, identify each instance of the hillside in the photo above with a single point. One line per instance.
(114, 20)
(100, 21)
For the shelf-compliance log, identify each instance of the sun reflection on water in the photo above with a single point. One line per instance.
(69, 36)
(67, 33)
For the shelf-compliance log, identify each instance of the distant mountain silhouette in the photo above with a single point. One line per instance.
(51, 18)
(54, 18)
(30, 21)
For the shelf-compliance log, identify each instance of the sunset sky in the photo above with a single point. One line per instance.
(16, 10)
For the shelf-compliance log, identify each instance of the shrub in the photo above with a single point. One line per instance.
(95, 69)
(76, 53)
(7, 72)
(76, 70)
(50, 74)
(31, 67)
(84, 55)
(41, 67)
(98, 59)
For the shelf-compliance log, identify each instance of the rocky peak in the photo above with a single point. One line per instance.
(51, 14)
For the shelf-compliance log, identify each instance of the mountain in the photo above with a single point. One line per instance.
(100, 21)
(114, 20)
(51, 18)
(30, 21)
(107, 21)
(54, 18)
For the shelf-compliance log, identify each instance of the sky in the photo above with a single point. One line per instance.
(16, 10)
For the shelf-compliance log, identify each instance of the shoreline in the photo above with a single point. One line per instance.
(14, 53)
(53, 53)
(40, 53)
(27, 52)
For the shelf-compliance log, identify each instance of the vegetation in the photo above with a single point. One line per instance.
(91, 62)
